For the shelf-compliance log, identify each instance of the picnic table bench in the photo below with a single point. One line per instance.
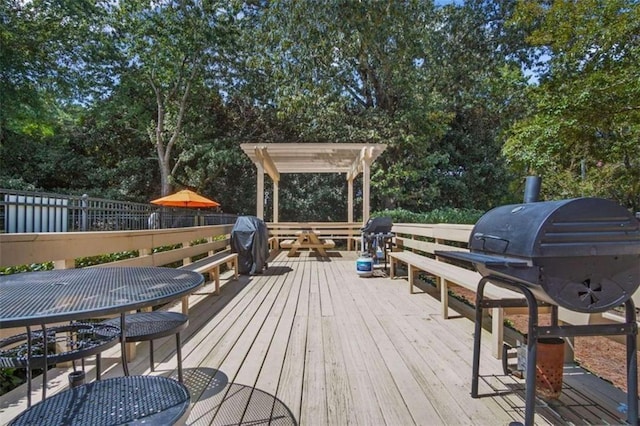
(307, 240)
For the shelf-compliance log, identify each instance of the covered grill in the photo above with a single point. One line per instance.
(580, 254)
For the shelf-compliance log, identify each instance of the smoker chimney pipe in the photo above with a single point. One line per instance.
(532, 189)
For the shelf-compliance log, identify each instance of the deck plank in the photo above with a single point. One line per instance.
(448, 408)
(224, 348)
(365, 409)
(380, 361)
(291, 372)
(314, 401)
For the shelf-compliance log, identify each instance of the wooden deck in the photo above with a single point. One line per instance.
(311, 343)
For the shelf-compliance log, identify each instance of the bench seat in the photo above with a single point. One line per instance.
(286, 244)
(211, 264)
(446, 274)
(325, 244)
(452, 273)
(272, 242)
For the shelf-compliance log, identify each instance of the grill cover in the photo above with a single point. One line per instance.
(250, 239)
(582, 254)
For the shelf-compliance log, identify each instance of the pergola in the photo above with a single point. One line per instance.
(275, 159)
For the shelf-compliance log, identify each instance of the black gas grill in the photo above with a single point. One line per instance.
(377, 236)
(581, 254)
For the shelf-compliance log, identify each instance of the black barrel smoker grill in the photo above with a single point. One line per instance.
(580, 254)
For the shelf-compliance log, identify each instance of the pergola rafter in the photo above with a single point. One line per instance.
(275, 159)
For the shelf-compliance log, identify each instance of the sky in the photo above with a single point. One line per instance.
(445, 2)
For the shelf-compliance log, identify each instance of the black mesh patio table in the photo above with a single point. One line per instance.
(39, 298)
(34, 298)
(122, 400)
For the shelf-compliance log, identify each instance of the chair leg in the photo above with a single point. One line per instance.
(151, 355)
(98, 366)
(179, 356)
(123, 345)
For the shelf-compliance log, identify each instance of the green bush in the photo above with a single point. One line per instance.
(444, 215)
(83, 262)
(34, 267)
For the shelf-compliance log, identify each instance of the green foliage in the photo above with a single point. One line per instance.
(10, 378)
(47, 57)
(123, 100)
(581, 133)
(444, 215)
(83, 262)
(34, 267)
(422, 80)
(168, 47)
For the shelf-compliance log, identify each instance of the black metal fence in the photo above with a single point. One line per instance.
(24, 211)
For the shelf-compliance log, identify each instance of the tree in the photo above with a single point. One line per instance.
(176, 48)
(582, 132)
(43, 78)
(348, 72)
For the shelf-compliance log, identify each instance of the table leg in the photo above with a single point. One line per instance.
(179, 357)
(123, 345)
(45, 356)
(29, 350)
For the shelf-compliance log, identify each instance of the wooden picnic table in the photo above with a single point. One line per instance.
(307, 239)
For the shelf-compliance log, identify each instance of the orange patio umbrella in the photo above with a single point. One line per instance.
(185, 198)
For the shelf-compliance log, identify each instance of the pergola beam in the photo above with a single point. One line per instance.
(267, 163)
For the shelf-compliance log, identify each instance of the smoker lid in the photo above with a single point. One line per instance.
(573, 227)
(378, 225)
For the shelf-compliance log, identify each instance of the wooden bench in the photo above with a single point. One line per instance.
(356, 242)
(446, 274)
(211, 264)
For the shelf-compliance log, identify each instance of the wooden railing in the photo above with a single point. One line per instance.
(63, 248)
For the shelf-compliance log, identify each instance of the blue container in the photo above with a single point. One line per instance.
(364, 266)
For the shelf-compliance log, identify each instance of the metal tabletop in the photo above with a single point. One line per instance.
(33, 298)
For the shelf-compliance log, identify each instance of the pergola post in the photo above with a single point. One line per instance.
(260, 192)
(276, 185)
(366, 182)
(350, 200)
(349, 206)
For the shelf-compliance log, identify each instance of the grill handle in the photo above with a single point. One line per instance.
(495, 248)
